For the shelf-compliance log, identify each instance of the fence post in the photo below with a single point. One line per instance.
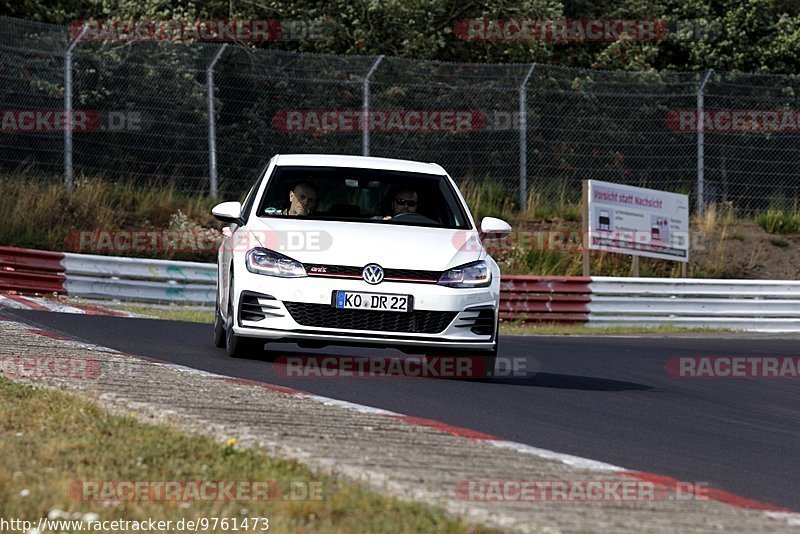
(68, 179)
(213, 185)
(365, 109)
(701, 139)
(523, 140)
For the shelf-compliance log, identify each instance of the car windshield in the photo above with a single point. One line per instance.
(375, 196)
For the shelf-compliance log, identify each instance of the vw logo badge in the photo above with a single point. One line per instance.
(372, 274)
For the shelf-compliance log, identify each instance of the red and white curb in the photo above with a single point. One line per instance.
(20, 302)
(791, 517)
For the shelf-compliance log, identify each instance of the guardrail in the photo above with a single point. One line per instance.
(94, 276)
(754, 305)
(26, 270)
(545, 298)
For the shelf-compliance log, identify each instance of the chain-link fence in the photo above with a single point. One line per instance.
(208, 116)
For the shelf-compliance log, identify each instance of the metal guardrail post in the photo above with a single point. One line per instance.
(213, 185)
(365, 108)
(69, 181)
(523, 140)
(701, 138)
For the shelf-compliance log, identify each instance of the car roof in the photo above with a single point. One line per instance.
(359, 162)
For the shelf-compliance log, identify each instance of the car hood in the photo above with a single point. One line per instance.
(358, 244)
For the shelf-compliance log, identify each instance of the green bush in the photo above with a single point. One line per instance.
(778, 222)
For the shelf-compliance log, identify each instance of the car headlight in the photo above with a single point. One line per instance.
(475, 274)
(265, 261)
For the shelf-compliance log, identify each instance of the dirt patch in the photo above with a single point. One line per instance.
(745, 250)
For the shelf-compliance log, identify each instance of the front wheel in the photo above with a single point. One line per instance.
(465, 365)
(489, 359)
(462, 365)
(485, 363)
(219, 328)
(239, 346)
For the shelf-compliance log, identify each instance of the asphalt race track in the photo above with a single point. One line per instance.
(608, 399)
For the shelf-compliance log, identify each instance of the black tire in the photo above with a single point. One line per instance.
(239, 346)
(219, 329)
(476, 364)
(481, 364)
(490, 358)
(242, 347)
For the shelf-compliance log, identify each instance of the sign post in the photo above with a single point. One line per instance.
(587, 260)
(634, 220)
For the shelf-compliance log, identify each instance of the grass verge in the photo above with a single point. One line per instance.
(49, 440)
(41, 214)
(169, 313)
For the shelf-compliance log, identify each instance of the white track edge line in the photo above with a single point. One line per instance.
(792, 518)
(6, 302)
(569, 459)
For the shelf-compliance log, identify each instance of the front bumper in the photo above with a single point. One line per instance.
(445, 318)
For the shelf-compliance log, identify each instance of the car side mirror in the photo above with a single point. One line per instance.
(495, 227)
(229, 212)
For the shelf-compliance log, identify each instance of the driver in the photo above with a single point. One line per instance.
(404, 201)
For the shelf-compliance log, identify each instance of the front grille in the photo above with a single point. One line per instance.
(326, 316)
(417, 274)
(392, 275)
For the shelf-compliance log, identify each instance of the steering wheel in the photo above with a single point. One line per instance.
(409, 216)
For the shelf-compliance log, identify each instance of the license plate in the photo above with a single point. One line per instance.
(354, 300)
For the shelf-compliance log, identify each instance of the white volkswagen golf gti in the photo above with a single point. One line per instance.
(349, 250)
